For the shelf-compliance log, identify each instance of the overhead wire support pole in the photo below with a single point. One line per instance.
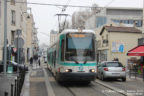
(5, 37)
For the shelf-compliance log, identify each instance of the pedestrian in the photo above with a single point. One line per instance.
(31, 61)
(39, 61)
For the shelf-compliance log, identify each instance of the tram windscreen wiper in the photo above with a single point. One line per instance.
(85, 61)
(75, 61)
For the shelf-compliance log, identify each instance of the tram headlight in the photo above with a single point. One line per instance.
(68, 70)
(92, 70)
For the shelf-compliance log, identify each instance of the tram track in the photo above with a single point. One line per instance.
(109, 90)
(71, 91)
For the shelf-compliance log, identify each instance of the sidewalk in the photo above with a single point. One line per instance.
(35, 82)
(5, 83)
(132, 77)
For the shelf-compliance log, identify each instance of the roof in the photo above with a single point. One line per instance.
(76, 30)
(120, 29)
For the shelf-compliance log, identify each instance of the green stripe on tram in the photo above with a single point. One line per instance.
(74, 64)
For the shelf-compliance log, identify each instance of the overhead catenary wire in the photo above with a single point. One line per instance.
(48, 4)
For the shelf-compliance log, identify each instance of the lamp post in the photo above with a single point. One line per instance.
(5, 37)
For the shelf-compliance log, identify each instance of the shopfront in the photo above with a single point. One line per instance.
(138, 51)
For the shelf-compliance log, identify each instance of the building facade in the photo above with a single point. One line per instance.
(17, 18)
(117, 15)
(32, 40)
(115, 42)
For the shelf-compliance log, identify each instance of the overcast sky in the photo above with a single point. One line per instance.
(46, 20)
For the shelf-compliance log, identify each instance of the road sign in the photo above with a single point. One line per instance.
(19, 42)
(14, 49)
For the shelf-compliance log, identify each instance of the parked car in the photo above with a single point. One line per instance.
(111, 69)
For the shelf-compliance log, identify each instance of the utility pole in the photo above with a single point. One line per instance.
(5, 37)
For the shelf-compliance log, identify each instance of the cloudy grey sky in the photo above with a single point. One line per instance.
(46, 20)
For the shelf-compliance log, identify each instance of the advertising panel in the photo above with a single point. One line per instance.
(117, 47)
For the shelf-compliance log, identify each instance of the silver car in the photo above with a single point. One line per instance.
(111, 69)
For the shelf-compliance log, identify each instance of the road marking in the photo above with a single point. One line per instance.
(48, 85)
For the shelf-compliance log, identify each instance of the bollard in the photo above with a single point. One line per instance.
(6, 94)
(11, 89)
(15, 91)
(17, 86)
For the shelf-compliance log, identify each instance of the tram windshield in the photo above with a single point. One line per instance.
(80, 47)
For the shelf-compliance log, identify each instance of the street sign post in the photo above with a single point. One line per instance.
(19, 42)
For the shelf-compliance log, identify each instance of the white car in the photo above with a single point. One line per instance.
(111, 69)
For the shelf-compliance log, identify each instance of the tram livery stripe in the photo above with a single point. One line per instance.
(74, 64)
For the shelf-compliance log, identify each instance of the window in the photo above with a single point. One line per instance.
(13, 18)
(100, 21)
(12, 2)
(62, 50)
(107, 40)
(131, 21)
(114, 64)
(139, 23)
(12, 37)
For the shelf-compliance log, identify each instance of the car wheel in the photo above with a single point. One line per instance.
(123, 79)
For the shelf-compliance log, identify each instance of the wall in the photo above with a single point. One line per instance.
(128, 39)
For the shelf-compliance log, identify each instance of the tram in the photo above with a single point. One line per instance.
(72, 57)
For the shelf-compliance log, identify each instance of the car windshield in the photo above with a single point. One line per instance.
(114, 64)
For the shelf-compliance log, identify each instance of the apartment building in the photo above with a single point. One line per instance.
(117, 15)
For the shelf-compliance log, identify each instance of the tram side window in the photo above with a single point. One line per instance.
(62, 50)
